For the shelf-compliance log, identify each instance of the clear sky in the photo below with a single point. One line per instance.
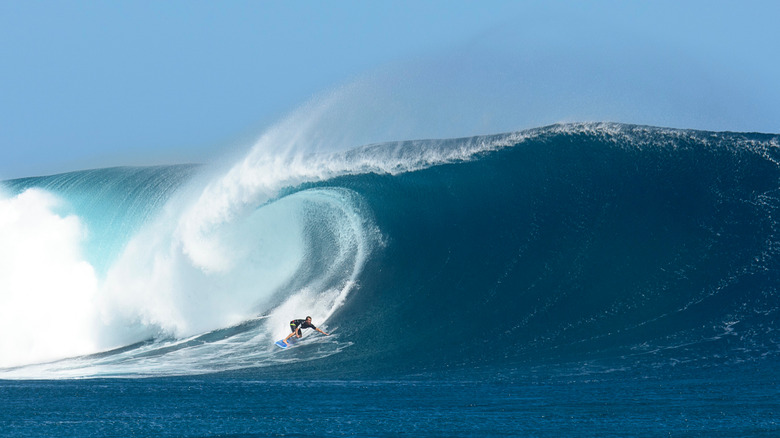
(87, 84)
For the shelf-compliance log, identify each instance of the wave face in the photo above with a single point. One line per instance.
(570, 243)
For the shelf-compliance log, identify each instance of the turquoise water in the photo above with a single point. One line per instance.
(590, 279)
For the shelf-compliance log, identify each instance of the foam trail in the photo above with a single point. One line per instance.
(208, 325)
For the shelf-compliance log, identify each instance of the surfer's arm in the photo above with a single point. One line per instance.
(322, 332)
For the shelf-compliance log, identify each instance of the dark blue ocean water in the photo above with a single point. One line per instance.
(587, 280)
(476, 404)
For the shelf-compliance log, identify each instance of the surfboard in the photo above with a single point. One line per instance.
(290, 342)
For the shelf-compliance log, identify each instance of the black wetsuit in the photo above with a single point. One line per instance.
(295, 323)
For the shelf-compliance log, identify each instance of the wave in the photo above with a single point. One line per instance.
(563, 243)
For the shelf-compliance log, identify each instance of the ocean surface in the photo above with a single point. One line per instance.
(591, 279)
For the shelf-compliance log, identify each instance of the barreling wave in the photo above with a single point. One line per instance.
(564, 243)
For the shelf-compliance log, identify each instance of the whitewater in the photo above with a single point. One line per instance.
(168, 259)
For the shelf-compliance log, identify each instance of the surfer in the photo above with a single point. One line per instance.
(297, 324)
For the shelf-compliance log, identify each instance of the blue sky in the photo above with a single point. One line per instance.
(87, 84)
